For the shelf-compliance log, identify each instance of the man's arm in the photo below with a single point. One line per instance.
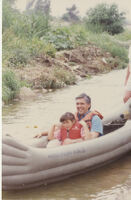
(97, 127)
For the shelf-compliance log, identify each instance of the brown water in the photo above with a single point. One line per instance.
(20, 120)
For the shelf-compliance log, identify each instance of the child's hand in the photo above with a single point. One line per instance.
(67, 141)
(83, 123)
(41, 134)
(57, 126)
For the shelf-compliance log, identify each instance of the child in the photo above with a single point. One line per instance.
(68, 132)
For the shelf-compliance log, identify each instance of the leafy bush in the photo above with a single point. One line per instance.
(37, 46)
(60, 37)
(10, 86)
(66, 37)
(108, 17)
(79, 34)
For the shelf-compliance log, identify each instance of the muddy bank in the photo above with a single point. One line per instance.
(66, 68)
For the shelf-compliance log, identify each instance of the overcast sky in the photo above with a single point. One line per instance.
(58, 7)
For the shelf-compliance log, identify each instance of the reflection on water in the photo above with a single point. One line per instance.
(20, 119)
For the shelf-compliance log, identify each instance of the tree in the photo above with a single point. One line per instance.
(30, 4)
(71, 15)
(108, 17)
(43, 7)
(39, 6)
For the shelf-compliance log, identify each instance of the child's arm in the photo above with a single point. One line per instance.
(54, 132)
(72, 141)
(51, 133)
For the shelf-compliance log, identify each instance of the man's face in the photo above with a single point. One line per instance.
(81, 106)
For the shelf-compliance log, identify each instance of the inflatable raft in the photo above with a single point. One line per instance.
(27, 166)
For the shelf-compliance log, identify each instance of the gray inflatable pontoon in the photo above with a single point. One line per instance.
(27, 166)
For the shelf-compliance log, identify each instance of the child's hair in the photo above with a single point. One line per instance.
(67, 116)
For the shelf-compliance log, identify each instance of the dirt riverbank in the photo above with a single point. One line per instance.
(80, 62)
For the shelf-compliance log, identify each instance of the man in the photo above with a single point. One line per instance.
(92, 118)
(127, 84)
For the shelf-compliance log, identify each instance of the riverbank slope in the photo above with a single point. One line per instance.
(66, 68)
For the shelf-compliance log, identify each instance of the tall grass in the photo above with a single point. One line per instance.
(125, 36)
(107, 43)
(10, 86)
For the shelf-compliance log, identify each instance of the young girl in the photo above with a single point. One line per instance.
(68, 132)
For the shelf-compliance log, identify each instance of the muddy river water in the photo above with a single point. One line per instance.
(25, 119)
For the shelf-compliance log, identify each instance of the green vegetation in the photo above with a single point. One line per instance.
(10, 86)
(31, 34)
(107, 43)
(125, 36)
(57, 78)
(108, 17)
(64, 76)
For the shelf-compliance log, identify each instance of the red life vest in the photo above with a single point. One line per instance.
(73, 133)
(88, 117)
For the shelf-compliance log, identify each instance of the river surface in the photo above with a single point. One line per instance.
(25, 119)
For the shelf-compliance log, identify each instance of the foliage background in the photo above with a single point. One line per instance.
(33, 33)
